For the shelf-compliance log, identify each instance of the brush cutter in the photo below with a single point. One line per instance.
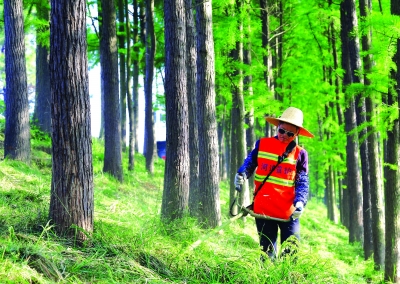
(244, 211)
(248, 210)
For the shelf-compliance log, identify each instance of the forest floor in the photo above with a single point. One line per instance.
(130, 243)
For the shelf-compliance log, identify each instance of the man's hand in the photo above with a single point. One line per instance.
(239, 180)
(299, 210)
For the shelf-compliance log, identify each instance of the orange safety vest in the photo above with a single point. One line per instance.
(275, 198)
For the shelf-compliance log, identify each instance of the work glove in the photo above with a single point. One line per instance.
(299, 210)
(239, 180)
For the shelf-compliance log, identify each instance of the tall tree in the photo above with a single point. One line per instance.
(109, 80)
(194, 193)
(135, 72)
(392, 186)
(238, 134)
(265, 37)
(42, 111)
(123, 86)
(148, 87)
(208, 136)
(129, 95)
(349, 55)
(176, 177)
(375, 182)
(71, 200)
(248, 92)
(100, 17)
(17, 144)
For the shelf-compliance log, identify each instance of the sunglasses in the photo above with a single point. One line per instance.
(283, 131)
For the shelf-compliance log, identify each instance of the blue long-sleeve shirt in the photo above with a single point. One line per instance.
(301, 180)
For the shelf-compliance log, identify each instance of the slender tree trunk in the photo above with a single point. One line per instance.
(248, 92)
(277, 59)
(392, 187)
(123, 86)
(208, 136)
(375, 183)
(148, 87)
(176, 178)
(135, 74)
(71, 200)
(238, 139)
(109, 79)
(392, 175)
(349, 56)
(17, 145)
(129, 96)
(344, 201)
(267, 55)
(222, 129)
(42, 111)
(331, 196)
(100, 12)
(194, 194)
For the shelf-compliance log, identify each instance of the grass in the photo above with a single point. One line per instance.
(130, 244)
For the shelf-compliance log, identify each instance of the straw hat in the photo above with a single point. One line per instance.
(293, 116)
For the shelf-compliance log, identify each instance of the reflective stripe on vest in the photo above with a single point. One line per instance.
(275, 199)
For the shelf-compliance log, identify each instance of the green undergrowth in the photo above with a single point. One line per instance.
(130, 243)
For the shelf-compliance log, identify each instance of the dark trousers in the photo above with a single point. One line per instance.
(268, 233)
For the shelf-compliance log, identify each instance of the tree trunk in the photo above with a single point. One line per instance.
(248, 92)
(148, 87)
(208, 137)
(238, 139)
(222, 140)
(17, 145)
(135, 74)
(123, 86)
(109, 79)
(42, 111)
(277, 52)
(71, 200)
(267, 55)
(100, 12)
(129, 96)
(375, 182)
(176, 178)
(392, 187)
(194, 194)
(349, 56)
(331, 202)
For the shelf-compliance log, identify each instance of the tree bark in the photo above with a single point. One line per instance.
(374, 172)
(194, 192)
(123, 86)
(267, 55)
(148, 87)
(248, 92)
(135, 73)
(349, 54)
(176, 178)
(238, 138)
(17, 145)
(71, 200)
(129, 96)
(42, 111)
(208, 136)
(392, 175)
(109, 79)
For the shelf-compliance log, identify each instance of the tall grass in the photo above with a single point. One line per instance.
(130, 244)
